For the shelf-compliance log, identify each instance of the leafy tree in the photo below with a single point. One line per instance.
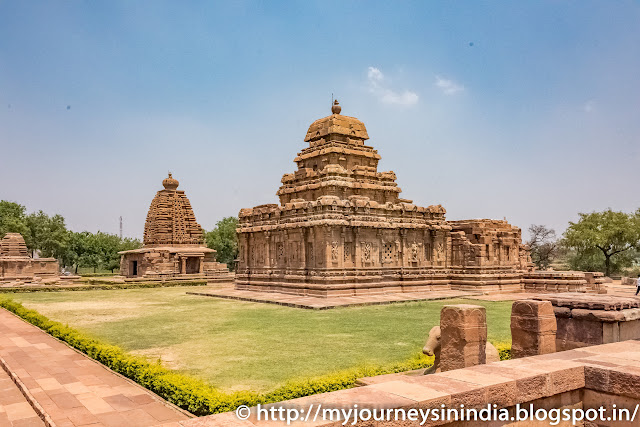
(110, 245)
(13, 219)
(97, 250)
(75, 248)
(47, 235)
(224, 240)
(604, 241)
(543, 244)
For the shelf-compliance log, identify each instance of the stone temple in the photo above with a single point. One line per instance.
(16, 264)
(341, 228)
(173, 242)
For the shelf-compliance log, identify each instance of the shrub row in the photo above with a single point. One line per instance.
(92, 284)
(98, 274)
(189, 393)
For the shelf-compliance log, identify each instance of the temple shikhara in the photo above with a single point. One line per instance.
(341, 228)
(173, 242)
(17, 266)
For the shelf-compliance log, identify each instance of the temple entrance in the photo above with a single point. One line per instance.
(192, 265)
(134, 268)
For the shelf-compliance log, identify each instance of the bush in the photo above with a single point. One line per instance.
(189, 393)
(504, 350)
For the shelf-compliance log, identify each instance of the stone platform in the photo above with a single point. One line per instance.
(318, 303)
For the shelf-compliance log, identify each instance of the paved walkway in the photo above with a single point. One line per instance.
(71, 389)
(317, 303)
(15, 409)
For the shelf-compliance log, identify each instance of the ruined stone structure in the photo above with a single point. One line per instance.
(533, 328)
(17, 265)
(341, 228)
(433, 347)
(173, 242)
(585, 320)
(463, 336)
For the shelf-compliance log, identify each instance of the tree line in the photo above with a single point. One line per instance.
(48, 236)
(606, 241)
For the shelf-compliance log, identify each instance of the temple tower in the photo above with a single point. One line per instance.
(173, 242)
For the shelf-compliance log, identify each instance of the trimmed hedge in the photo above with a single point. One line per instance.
(98, 274)
(93, 284)
(189, 393)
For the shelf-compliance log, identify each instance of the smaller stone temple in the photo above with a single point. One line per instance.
(173, 242)
(17, 266)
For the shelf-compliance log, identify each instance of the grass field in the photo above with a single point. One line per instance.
(238, 345)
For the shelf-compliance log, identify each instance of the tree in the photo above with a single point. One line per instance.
(543, 245)
(96, 250)
(47, 235)
(224, 240)
(605, 239)
(13, 219)
(110, 245)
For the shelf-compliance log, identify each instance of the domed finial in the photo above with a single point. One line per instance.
(170, 183)
(336, 108)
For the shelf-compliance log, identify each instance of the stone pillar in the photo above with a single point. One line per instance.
(357, 249)
(533, 328)
(463, 336)
(267, 255)
(183, 265)
(403, 247)
(304, 263)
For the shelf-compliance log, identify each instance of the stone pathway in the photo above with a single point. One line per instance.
(71, 389)
(317, 303)
(15, 410)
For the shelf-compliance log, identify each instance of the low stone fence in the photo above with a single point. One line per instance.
(591, 378)
(564, 281)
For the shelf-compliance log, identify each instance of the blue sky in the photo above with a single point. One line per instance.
(525, 110)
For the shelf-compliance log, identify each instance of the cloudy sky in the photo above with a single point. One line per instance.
(525, 110)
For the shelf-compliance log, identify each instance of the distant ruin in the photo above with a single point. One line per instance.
(17, 266)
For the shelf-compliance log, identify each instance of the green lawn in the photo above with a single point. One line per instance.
(238, 345)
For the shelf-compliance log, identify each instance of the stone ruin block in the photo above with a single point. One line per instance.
(464, 336)
(586, 319)
(533, 328)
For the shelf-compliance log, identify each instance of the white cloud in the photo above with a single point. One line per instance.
(449, 87)
(589, 106)
(378, 87)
